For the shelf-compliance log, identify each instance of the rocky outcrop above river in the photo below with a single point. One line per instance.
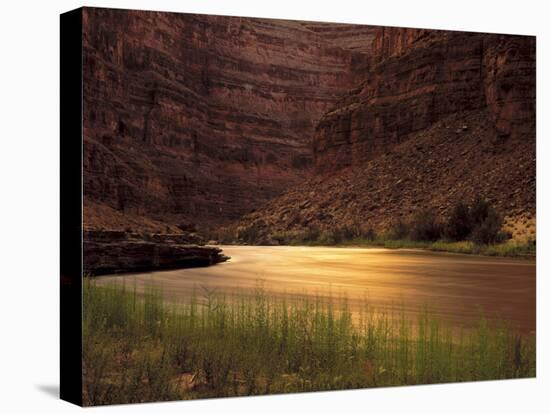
(456, 159)
(417, 78)
(107, 252)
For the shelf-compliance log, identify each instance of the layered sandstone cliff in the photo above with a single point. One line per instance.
(419, 77)
(201, 120)
(195, 118)
(121, 252)
(441, 117)
(456, 159)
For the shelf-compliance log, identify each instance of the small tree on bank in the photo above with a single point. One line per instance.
(398, 229)
(488, 230)
(459, 224)
(425, 226)
(479, 210)
(479, 223)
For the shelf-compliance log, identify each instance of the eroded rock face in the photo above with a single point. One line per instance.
(107, 252)
(417, 78)
(458, 158)
(509, 64)
(201, 118)
(355, 37)
(395, 41)
(441, 117)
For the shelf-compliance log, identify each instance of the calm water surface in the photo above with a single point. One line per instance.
(459, 288)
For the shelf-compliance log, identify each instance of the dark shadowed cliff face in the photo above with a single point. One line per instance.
(456, 159)
(440, 117)
(200, 118)
(417, 78)
(356, 37)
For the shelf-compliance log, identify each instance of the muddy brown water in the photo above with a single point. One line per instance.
(458, 288)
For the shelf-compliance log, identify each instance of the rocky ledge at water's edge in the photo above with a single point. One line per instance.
(107, 252)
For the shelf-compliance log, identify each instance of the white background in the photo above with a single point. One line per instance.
(29, 191)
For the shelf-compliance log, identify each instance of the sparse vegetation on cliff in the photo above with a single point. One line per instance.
(478, 222)
(475, 228)
(139, 348)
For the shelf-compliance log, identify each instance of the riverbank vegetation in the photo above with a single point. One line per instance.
(138, 347)
(470, 229)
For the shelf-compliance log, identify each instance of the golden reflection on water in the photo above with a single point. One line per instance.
(459, 288)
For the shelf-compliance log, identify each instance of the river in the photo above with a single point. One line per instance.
(459, 288)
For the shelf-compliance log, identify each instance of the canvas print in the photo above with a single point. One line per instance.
(274, 206)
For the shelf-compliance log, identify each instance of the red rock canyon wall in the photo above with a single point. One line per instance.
(420, 76)
(201, 118)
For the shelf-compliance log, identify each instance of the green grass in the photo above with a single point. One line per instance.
(350, 236)
(506, 249)
(509, 248)
(138, 348)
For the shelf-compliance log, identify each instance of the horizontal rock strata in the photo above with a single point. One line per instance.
(458, 158)
(418, 77)
(108, 252)
(202, 118)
